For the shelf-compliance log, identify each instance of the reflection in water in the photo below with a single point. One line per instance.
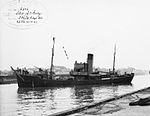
(114, 90)
(36, 99)
(82, 94)
(50, 100)
(45, 101)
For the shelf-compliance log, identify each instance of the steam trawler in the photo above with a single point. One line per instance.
(81, 75)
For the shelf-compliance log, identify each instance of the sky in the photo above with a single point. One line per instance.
(82, 27)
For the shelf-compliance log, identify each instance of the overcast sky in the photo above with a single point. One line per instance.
(81, 26)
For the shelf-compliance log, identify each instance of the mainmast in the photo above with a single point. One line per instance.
(51, 68)
(114, 59)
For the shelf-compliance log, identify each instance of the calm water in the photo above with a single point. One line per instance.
(45, 101)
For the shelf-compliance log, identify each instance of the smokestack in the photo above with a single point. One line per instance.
(90, 63)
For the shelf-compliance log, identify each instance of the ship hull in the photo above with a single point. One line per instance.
(29, 81)
(8, 79)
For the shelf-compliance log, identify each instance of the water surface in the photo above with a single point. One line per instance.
(46, 101)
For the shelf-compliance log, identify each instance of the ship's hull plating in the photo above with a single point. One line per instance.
(28, 81)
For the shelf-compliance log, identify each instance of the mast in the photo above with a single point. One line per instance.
(51, 68)
(114, 59)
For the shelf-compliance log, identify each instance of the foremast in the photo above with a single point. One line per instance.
(114, 59)
(52, 57)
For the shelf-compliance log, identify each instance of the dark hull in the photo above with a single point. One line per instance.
(28, 81)
(8, 79)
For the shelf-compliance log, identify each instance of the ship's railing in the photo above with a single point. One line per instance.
(78, 73)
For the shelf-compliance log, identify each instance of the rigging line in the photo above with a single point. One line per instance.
(65, 53)
(16, 73)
